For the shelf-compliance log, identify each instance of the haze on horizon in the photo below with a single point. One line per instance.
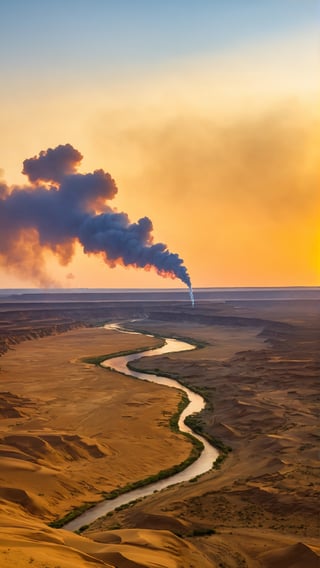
(206, 115)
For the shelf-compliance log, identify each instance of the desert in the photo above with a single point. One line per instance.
(72, 432)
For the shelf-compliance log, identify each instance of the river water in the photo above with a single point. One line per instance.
(197, 403)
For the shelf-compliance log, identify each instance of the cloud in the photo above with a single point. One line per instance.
(62, 207)
(52, 165)
(243, 188)
(265, 162)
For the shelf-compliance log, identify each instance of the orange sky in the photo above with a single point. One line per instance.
(221, 151)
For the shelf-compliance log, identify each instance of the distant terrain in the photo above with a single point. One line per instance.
(71, 431)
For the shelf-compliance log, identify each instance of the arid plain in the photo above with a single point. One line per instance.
(71, 431)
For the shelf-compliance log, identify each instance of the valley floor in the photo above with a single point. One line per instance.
(71, 430)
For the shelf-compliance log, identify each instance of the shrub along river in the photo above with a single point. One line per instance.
(196, 403)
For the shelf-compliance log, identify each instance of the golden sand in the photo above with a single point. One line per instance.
(71, 430)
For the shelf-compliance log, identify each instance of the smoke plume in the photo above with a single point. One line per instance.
(60, 207)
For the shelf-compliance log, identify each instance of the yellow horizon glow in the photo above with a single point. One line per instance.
(221, 153)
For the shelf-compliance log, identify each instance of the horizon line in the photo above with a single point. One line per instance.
(180, 289)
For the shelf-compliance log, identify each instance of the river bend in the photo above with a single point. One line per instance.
(196, 404)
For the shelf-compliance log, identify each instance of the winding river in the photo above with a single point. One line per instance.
(197, 403)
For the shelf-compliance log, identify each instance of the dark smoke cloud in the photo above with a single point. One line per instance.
(61, 207)
(52, 165)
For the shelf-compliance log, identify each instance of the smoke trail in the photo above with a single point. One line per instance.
(191, 295)
(61, 207)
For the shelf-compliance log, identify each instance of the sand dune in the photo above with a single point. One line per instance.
(27, 542)
(70, 430)
(148, 549)
(52, 447)
(268, 414)
(295, 556)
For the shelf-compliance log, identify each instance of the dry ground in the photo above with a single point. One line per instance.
(70, 430)
(262, 386)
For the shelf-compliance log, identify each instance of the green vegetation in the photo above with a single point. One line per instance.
(157, 372)
(98, 359)
(220, 459)
(59, 523)
(193, 421)
(162, 474)
(197, 448)
(174, 419)
(202, 391)
(198, 344)
(196, 424)
(83, 528)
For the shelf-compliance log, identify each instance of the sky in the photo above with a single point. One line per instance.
(205, 113)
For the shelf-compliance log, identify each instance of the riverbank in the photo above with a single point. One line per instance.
(259, 508)
(73, 422)
(262, 386)
(201, 458)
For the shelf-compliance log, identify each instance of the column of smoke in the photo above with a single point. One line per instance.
(60, 207)
(191, 295)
